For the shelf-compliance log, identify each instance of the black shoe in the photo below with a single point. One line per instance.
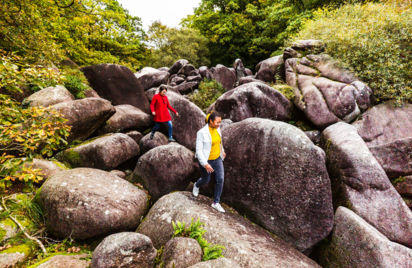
(151, 136)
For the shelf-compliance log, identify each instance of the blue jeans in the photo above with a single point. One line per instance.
(170, 128)
(219, 171)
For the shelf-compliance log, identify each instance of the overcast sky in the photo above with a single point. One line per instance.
(167, 11)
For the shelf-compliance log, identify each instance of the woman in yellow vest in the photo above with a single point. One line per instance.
(210, 153)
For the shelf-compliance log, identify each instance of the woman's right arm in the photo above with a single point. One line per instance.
(199, 149)
(152, 104)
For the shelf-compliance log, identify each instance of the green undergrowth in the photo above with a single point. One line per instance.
(209, 91)
(372, 40)
(195, 230)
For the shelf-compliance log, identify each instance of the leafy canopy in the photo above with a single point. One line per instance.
(172, 44)
(87, 31)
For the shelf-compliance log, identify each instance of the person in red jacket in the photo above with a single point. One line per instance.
(159, 107)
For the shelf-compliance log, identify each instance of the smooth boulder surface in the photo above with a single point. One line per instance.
(254, 99)
(49, 96)
(248, 79)
(221, 263)
(205, 72)
(165, 169)
(126, 117)
(106, 152)
(224, 76)
(360, 183)
(186, 87)
(72, 261)
(355, 243)
(191, 118)
(85, 115)
(10, 260)
(177, 66)
(146, 144)
(387, 130)
(278, 177)
(135, 135)
(247, 244)
(125, 249)
(150, 77)
(181, 252)
(267, 69)
(84, 203)
(118, 84)
(325, 92)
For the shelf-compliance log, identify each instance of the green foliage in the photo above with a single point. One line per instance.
(16, 74)
(76, 86)
(88, 32)
(26, 133)
(209, 91)
(196, 231)
(286, 90)
(250, 30)
(172, 44)
(373, 40)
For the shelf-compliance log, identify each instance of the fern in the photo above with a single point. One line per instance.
(196, 231)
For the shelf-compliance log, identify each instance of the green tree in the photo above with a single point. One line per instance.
(172, 44)
(88, 31)
(373, 40)
(250, 30)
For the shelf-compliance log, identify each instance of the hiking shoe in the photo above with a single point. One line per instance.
(151, 136)
(218, 207)
(171, 140)
(195, 190)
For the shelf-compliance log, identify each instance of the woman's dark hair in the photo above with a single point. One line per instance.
(162, 87)
(212, 116)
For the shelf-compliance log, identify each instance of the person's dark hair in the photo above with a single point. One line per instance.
(162, 87)
(212, 116)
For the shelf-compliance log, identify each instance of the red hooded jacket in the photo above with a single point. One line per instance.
(159, 105)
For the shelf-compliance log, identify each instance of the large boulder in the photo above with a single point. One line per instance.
(146, 143)
(325, 92)
(118, 84)
(177, 66)
(278, 177)
(165, 169)
(248, 79)
(84, 203)
(106, 152)
(205, 72)
(49, 96)
(186, 70)
(269, 68)
(125, 249)
(85, 115)
(220, 262)
(387, 131)
(72, 261)
(186, 87)
(127, 117)
(360, 183)
(181, 252)
(254, 99)
(239, 69)
(150, 77)
(224, 76)
(355, 243)
(191, 119)
(247, 244)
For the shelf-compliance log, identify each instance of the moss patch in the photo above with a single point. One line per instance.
(51, 256)
(23, 248)
(286, 90)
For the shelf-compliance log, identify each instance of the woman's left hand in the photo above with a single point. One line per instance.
(224, 155)
(177, 114)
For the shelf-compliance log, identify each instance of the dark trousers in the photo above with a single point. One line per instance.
(217, 166)
(170, 128)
